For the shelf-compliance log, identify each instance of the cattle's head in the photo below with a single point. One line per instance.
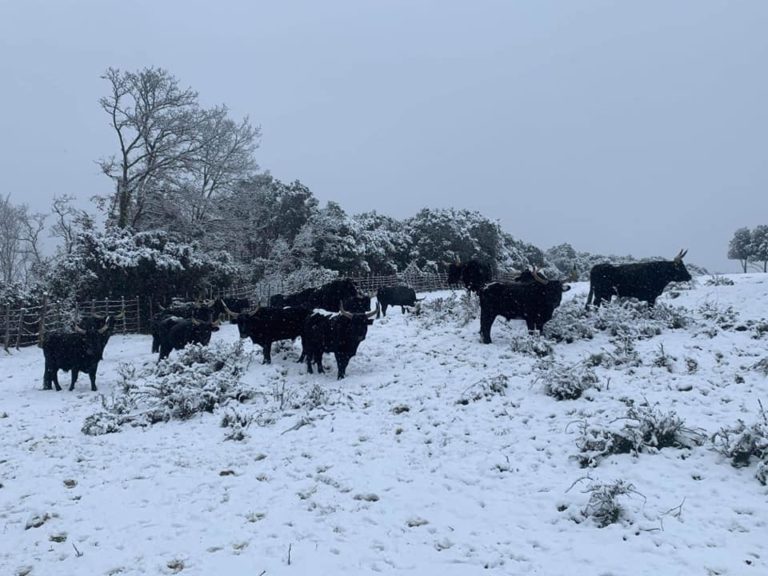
(359, 321)
(94, 330)
(357, 304)
(201, 331)
(680, 272)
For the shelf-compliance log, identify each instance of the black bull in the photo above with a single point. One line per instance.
(534, 302)
(339, 333)
(396, 296)
(268, 324)
(175, 333)
(78, 351)
(644, 280)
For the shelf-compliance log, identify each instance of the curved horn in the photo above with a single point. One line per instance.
(344, 312)
(79, 330)
(536, 276)
(162, 308)
(229, 312)
(680, 255)
(105, 327)
(120, 316)
(196, 322)
(372, 313)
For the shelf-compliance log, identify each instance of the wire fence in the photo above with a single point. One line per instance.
(27, 326)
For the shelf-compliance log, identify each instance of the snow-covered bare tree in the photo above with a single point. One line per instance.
(19, 240)
(173, 155)
(68, 222)
(740, 247)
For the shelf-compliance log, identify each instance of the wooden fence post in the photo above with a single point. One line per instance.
(7, 339)
(138, 315)
(41, 323)
(21, 327)
(122, 310)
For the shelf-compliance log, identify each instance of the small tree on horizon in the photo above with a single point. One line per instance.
(740, 247)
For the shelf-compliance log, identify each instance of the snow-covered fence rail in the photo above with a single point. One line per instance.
(28, 325)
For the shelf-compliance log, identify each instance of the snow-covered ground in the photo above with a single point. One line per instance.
(436, 455)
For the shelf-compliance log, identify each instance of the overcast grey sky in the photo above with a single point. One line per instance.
(620, 127)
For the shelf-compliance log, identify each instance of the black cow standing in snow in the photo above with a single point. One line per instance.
(396, 296)
(267, 324)
(78, 351)
(339, 333)
(643, 280)
(174, 333)
(533, 301)
(205, 311)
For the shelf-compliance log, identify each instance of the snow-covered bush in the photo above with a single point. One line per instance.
(570, 322)
(531, 345)
(724, 317)
(718, 280)
(118, 262)
(644, 428)
(457, 307)
(197, 379)
(485, 389)
(740, 443)
(566, 382)
(636, 320)
(603, 505)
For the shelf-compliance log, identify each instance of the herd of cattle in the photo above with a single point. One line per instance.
(335, 317)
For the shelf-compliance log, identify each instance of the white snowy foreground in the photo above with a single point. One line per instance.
(437, 455)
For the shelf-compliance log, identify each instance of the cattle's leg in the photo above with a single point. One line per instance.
(50, 377)
(342, 360)
(308, 358)
(589, 296)
(383, 310)
(267, 352)
(75, 374)
(319, 362)
(486, 321)
(92, 376)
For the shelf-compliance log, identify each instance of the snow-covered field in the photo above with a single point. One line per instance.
(436, 455)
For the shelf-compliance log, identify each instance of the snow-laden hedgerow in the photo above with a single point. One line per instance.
(197, 379)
